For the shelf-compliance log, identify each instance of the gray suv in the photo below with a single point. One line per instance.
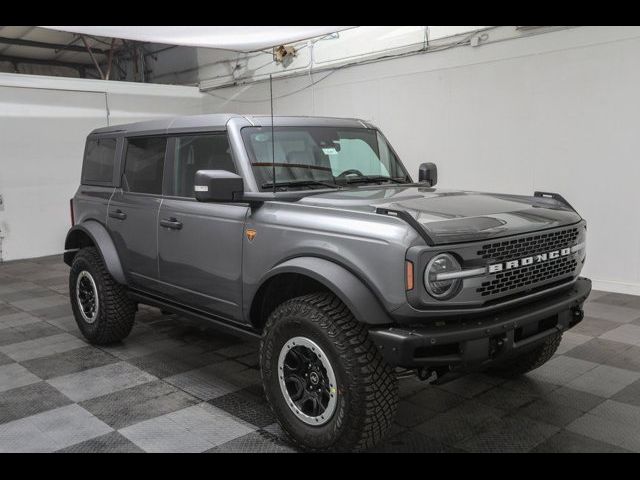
(310, 234)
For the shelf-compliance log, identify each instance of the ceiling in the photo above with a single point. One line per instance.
(61, 50)
(18, 42)
(236, 38)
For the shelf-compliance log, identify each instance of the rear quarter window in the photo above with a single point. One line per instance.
(99, 160)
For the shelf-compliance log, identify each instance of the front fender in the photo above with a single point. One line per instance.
(100, 237)
(360, 300)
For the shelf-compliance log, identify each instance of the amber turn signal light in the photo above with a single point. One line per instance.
(409, 275)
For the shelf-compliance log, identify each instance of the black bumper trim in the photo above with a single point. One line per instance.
(478, 340)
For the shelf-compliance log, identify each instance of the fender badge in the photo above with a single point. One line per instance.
(250, 233)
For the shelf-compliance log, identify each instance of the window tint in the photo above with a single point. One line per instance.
(99, 159)
(144, 163)
(323, 154)
(199, 152)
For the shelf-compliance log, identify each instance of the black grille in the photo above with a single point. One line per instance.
(529, 275)
(527, 246)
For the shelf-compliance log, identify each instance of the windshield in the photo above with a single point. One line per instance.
(321, 157)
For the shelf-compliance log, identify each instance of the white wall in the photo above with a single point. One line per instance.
(557, 111)
(43, 125)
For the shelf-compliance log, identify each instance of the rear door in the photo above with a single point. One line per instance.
(133, 209)
(200, 244)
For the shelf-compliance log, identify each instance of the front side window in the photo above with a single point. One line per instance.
(99, 159)
(322, 156)
(144, 163)
(199, 152)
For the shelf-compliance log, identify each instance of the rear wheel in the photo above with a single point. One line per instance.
(326, 382)
(103, 311)
(530, 360)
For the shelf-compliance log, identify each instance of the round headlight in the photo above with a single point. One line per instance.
(435, 279)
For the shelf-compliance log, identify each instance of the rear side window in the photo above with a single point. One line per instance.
(99, 159)
(144, 163)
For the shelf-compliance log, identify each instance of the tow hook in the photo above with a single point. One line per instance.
(431, 375)
(577, 314)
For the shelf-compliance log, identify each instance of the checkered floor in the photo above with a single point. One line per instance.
(174, 387)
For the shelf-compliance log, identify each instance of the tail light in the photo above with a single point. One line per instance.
(73, 215)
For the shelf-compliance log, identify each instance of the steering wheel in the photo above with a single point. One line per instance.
(351, 171)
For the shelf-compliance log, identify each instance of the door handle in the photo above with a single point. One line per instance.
(119, 214)
(171, 223)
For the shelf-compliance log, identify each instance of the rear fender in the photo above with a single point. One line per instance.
(93, 232)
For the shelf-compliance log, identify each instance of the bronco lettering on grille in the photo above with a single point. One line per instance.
(522, 262)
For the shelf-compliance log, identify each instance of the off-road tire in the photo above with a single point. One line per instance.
(116, 312)
(530, 360)
(367, 386)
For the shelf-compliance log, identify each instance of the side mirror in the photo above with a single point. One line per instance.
(428, 173)
(218, 186)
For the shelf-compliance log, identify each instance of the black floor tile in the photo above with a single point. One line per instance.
(4, 359)
(26, 294)
(51, 313)
(59, 280)
(112, 442)
(410, 414)
(410, 386)
(597, 350)
(629, 394)
(506, 399)
(577, 399)
(413, 442)
(436, 399)
(569, 442)
(515, 434)
(255, 442)
(171, 362)
(247, 406)
(136, 404)
(68, 362)
(29, 400)
(620, 300)
(6, 309)
(549, 412)
(629, 359)
(251, 360)
(594, 327)
(23, 333)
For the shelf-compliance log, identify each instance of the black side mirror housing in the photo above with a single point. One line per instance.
(218, 186)
(428, 173)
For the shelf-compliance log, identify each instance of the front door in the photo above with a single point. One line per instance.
(200, 244)
(133, 210)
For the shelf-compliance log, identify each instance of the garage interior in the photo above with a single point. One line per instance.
(510, 109)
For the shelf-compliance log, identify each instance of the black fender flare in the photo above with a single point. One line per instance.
(352, 291)
(103, 242)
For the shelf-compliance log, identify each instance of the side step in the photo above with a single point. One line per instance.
(227, 326)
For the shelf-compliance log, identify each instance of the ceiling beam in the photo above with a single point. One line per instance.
(51, 46)
(93, 58)
(80, 67)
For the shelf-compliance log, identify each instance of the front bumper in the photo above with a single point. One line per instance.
(473, 342)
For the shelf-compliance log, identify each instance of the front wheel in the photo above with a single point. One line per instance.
(326, 382)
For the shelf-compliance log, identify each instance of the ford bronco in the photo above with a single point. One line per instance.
(310, 234)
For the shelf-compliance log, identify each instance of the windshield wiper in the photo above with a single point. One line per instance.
(299, 183)
(374, 178)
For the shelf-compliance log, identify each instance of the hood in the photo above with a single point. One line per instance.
(452, 216)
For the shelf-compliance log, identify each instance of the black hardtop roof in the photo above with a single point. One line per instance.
(219, 121)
